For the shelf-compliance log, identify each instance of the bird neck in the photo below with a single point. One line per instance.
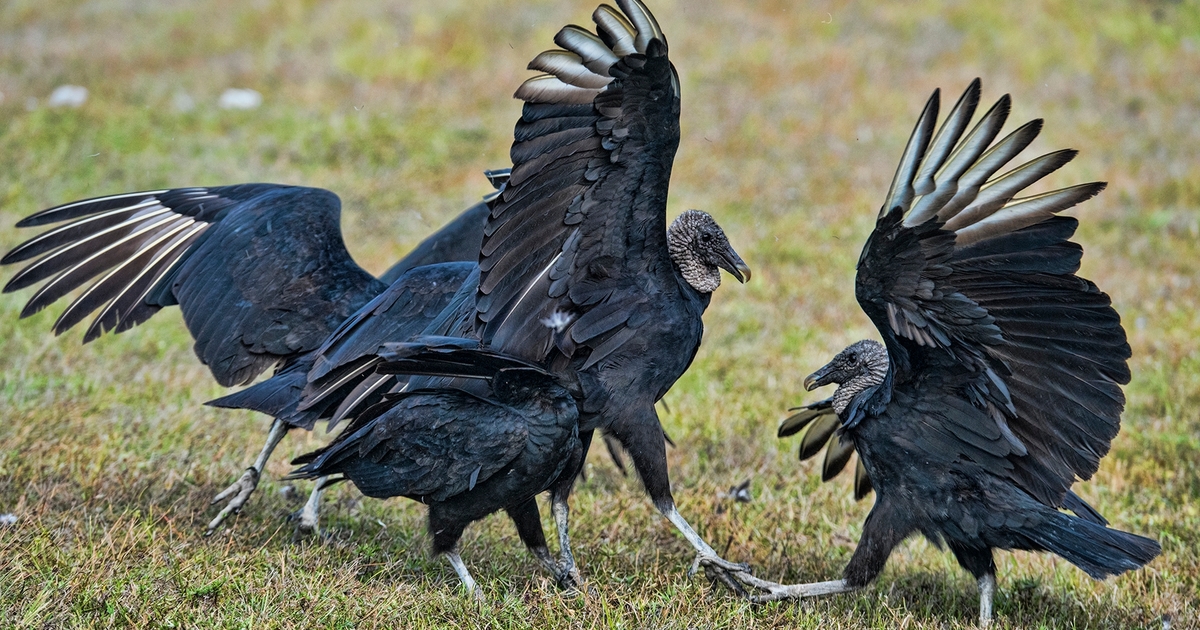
(702, 277)
(851, 389)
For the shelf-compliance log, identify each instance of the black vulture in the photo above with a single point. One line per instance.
(403, 310)
(463, 454)
(578, 271)
(997, 384)
(260, 272)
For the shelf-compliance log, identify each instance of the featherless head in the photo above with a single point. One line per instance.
(700, 250)
(860, 366)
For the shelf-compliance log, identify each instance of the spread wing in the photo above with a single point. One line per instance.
(427, 443)
(578, 234)
(976, 289)
(260, 271)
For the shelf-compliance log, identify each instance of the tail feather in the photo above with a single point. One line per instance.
(1097, 550)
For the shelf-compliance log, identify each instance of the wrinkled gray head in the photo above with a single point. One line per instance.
(859, 366)
(700, 251)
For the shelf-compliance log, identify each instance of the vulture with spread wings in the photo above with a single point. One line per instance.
(579, 238)
(578, 271)
(998, 383)
(260, 271)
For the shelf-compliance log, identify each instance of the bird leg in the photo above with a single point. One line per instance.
(880, 534)
(529, 528)
(566, 561)
(240, 491)
(728, 573)
(308, 517)
(776, 592)
(987, 588)
(460, 568)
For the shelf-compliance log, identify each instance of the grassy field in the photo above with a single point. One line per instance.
(794, 115)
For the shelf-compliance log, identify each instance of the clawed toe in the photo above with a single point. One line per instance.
(237, 493)
(721, 570)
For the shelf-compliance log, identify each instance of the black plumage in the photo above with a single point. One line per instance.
(463, 454)
(578, 271)
(260, 272)
(998, 382)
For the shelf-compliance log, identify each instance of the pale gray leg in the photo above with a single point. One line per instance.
(987, 588)
(308, 518)
(468, 582)
(728, 573)
(562, 511)
(241, 489)
(775, 592)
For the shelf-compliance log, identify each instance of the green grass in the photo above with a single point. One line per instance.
(794, 114)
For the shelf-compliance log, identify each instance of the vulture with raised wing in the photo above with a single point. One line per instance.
(578, 238)
(998, 382)
(464, 454)
(260, 272)
(578, 271)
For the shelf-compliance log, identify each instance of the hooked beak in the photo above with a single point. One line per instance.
(731, 262)
(817, 379)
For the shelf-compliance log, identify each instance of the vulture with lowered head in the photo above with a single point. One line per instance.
(998, 382)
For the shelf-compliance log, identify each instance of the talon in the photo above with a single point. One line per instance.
(735, 567)
(237, 493)
(728, 579)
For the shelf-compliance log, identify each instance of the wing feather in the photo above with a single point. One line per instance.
(259, 270)
(1012, 360)
(588, 182)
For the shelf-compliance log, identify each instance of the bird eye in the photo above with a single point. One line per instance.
(706, 237)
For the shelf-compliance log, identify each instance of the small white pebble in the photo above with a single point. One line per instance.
(238, 98)
(183, 102)
(8, 519)
(68, 96)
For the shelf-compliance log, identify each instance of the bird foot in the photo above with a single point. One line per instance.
(237, 494)
(308, 517)
(721, 570)
(569, 579)
(307, 522)
(572, 584)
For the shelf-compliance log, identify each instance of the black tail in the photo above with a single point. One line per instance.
(1096, 549)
